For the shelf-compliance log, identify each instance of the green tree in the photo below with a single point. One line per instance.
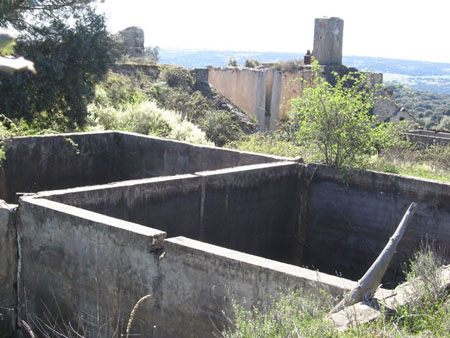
(69, 60)
(20, 13)
(334, 122)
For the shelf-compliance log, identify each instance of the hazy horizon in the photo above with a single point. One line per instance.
(399, 29)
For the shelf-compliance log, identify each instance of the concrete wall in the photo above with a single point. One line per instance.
(351, 217)
(328, 40)
(54, 162)
(253, 209)
(71, 261)
(71, 160)
(292, 85)
(428, 137)
(90, 269)
(143, 156)
(200, 282)
(86, 268)
(8, 268)
(246, 88)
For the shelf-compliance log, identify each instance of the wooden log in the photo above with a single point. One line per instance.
(369, 283)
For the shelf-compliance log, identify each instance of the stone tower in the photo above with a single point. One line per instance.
(328, 38)
(133, 37)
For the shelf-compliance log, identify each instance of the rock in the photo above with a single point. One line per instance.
(133, 38)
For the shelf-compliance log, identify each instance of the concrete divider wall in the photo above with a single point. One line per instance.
(85, 268)
(143, 156)
(171, 204)
(200, 282)
(427, 137)
(89, 270)
(246, 88)
(8, 268)
(55, 162)
(351, 217)
(254, 209)
(50, 162)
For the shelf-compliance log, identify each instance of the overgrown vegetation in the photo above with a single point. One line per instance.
(251, 63)
(301, 314)
(333, 123)
(431, 110)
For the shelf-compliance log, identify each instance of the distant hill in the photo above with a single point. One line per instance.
(418, 75)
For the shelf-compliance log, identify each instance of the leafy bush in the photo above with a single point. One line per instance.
(289, 66)
(232, 62)
(251, 63)
(429, 109)
(70, 60)
(146, 118)
(118, 90)
(333, 122)
(178, 77)
(220, 127)
(192, 106)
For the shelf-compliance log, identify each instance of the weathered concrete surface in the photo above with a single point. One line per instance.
(171, 204)
(351, 217)
(246, 88)
(86, 268)
(428, 137)
(90, 269)
(292, 85)
(8, 268)
(328, 40)
(144, 156)
(200, 282)
(254, 209)
(59, 161)
(51, 162)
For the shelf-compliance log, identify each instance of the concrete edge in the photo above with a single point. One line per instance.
(351, 175)
(160, 179)
(157, 237)
(288, 269)
(126, 133)
(246, 168)
(119, 184)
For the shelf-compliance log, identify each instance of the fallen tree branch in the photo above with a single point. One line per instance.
(369, 283)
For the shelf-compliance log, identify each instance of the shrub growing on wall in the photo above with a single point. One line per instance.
(334, 123)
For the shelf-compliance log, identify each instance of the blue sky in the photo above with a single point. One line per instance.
(416, 30)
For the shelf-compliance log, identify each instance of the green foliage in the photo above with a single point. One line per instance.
(192, 106)
(118, 90)
(299, 314)
(232, 62)
(146, 118)
(152, 54)
(431, 162)
(289, 66)
(220, 127)
(7, 42)
(251, 63)
(295, 314)
(20, 14)
(177, 77)
(69, 60)
(333, 122)
(266, 143)
(431, 110)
